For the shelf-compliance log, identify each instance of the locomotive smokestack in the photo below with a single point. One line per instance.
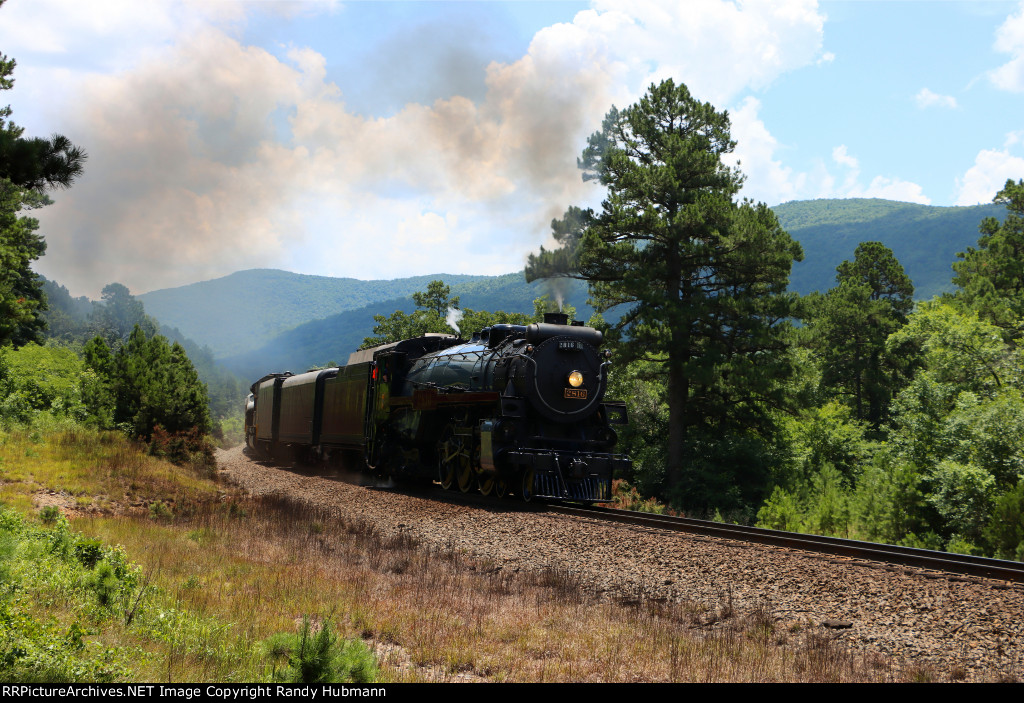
(556, 318)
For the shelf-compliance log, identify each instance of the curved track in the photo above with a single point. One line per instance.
(946, 562)
(891, 554)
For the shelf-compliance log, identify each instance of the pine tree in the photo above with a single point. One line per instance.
(851, 323)
(153, 384)
(700, 280)
(991, 277)
(27, 168)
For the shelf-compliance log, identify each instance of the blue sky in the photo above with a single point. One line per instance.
(379, 139)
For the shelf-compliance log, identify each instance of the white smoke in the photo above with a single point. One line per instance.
(208, 153)
(454, 315)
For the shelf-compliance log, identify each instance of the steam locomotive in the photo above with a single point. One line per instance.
(517, 408)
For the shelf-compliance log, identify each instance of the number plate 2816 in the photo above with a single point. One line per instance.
(577, 393)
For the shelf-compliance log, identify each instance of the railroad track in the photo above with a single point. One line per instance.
(963, 564)
(906, 556)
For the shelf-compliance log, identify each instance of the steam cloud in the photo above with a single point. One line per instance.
(209, 155)
(453, 317)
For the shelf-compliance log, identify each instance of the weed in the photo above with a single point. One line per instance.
(88, 551)
(921, 674)
(49, 514)
(160, 511)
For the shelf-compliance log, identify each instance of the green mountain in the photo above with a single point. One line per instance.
(330, 340)
(261, 320)
(924, 238)
(247, 308)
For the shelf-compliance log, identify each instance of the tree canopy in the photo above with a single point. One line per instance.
(150, 383)
(851, 323)
(991, 277)
(437, 311)
(120, 313)
(21, 295)
(700, 279)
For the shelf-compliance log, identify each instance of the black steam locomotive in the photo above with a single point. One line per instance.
(516, 408)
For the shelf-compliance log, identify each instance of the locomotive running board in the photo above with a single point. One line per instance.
(432, 398)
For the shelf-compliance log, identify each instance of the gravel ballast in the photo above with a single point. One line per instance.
(960, 627)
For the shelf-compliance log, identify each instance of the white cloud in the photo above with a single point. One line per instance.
(717, 48)
(926, 99)
(841, 157)
(852, 187)
(991, 169)
(766, 178)
(769, 180)
(110, 33)
(1010, 40)
(890, 189)
(189, 176)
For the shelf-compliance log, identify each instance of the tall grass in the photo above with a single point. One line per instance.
(226, 581)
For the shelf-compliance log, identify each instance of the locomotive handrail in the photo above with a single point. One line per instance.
(561, 477)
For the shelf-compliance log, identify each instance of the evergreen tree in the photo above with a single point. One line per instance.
(153, 383)
(437, 312)
(991, 277)
(436, 299)
(27, 167)
(119, 314)
(564, 259)
(850, 326)
(700, 279)
(36, 163)
(21, 294)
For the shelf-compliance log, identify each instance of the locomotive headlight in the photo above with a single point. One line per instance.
(575, 379)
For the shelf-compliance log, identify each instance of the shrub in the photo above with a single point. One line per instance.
(320, 657)
(187, 447)
(88, 552)
(104, 583)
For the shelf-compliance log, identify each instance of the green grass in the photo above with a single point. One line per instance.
(213, 586)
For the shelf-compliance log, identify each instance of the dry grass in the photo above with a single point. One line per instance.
(98, 470)
(230, 572)
(437, 615)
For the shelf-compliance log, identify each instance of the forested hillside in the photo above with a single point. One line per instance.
(247, 309)
(924, 238)
(332, 339)
(72, 322)
(269, 319)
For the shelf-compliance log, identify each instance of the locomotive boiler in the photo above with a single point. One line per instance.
(517, 408)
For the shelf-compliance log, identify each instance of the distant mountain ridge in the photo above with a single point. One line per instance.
(265, 319)
(247, 308)
(925, 238)
(332, 339)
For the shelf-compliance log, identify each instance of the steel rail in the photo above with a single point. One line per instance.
(887, 553)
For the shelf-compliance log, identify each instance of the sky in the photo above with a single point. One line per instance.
(379, 140)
